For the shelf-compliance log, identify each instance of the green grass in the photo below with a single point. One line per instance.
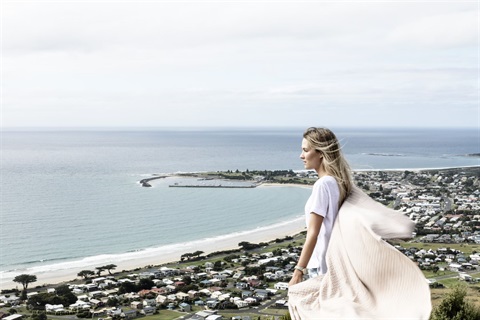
(448, 283)
(278, 312)
(429, 274)
(166, 315)
(466, 248)
(255, 316)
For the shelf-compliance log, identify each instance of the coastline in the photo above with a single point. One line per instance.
(50, 275)
(67, 271)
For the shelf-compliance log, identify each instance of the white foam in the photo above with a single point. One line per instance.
(173, 251)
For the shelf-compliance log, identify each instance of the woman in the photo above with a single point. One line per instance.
(321, 152)
(359, 275)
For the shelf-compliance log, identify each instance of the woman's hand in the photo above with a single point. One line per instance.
(296, 278)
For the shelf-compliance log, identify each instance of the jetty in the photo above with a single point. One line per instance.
(145, 182)
(203, 185)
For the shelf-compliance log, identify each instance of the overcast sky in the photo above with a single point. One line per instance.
(240, 63)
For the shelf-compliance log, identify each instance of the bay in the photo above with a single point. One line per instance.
(71, 194)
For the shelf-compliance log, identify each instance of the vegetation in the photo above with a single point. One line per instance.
(191, 256)
(107, 267)
(25, 280)
(454, 306)
(86, 274)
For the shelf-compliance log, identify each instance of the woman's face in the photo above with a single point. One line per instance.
(312, 159)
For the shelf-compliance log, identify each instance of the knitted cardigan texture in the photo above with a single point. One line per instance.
(366, 278)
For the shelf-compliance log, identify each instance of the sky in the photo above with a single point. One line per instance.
(240, 63)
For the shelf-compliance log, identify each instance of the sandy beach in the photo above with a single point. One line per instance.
(67, 271)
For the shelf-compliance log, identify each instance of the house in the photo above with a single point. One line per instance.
(185, 307)
(220, 276)
(148, 310)
(13, 317)
(464, 276)
(199, 303)
(170, 288)
(201, 275)
(161, 299)
(241, 285)
(281, 304)
(54, 308)
(202, 315)
(254, 283)
(281, 286)
(455, 267)
(114, 312)
(96, 303)
(129, 314)
(13, 300)
(261, 294)
(149, 302)
(136, 305)
(212, 303)
(206, 283)
(241, 303)
(182, 296)
(193, 294)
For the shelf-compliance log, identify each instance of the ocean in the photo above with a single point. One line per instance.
(72, 197)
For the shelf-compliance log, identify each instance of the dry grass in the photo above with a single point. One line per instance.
(473, 295)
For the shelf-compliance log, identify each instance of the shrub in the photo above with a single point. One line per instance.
(455, 307)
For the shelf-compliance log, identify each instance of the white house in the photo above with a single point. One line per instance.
(281, 286)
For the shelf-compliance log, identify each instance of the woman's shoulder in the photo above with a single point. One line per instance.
(327, 181)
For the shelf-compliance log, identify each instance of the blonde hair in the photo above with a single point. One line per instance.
(324, 141)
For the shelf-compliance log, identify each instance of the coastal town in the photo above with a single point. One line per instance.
(251, 282)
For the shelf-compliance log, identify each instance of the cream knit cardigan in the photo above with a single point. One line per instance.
(367, 278)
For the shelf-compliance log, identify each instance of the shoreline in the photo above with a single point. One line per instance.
(67, 271)
(55, 273)
(420, 169)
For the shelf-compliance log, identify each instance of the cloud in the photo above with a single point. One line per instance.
(440, 31)
(154, 62)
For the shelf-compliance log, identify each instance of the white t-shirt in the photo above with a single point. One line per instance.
(324, 202)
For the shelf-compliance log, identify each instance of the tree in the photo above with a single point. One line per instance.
(100, 270)
(39, 316)
(67, 294)
(25, 279)
(112, 302)
(109, 267)
(85, 274)
(145, 284)
(217, 265)
(127, 287)
(197, 253)
(455, 307)
(186, 256)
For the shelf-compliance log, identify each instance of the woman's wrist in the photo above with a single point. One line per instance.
(301, 269)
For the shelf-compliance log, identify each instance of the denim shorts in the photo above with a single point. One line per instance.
(313, 272)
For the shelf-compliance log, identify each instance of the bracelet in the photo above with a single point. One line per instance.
(302, 269)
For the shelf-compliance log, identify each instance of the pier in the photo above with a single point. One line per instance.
(178, 185)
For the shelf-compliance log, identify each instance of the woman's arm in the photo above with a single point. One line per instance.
(313, 230)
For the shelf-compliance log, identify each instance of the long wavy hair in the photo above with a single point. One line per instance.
(324, 141)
